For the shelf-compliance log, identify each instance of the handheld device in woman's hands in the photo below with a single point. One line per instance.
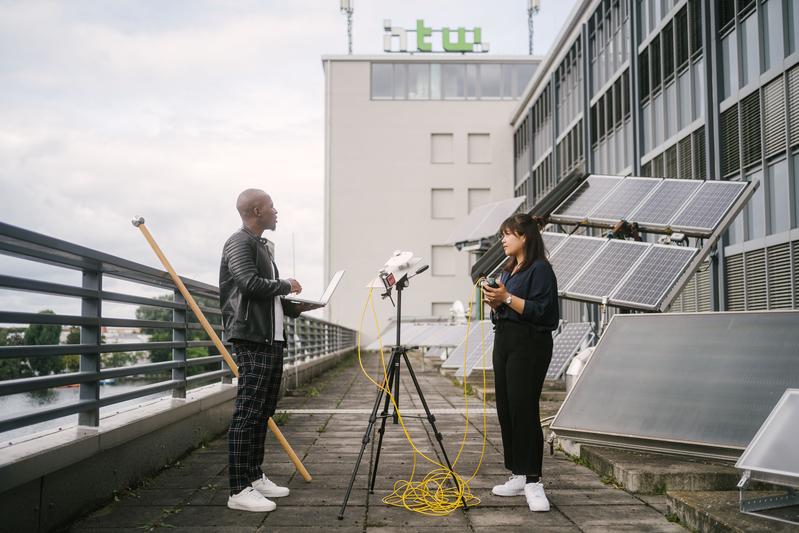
(491, 282)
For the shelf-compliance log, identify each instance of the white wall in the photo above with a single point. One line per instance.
(379, 182)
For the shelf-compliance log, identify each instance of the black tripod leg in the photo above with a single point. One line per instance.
(432, 420)
(364, 442)
(397, 362)
(384, 415)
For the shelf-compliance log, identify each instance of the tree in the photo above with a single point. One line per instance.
(72, 362)
(157, 334)
(14, 368)
(43, 335)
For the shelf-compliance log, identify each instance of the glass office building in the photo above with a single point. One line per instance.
(693, 89)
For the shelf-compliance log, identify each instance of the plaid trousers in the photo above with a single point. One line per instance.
(260, 372)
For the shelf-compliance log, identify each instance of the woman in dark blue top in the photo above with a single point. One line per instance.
(524, 311)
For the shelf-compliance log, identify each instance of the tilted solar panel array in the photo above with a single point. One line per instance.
(628, 274)
(565, 346)
(479, 329)
(692, 207)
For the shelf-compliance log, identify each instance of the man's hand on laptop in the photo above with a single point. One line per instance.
(296, 288)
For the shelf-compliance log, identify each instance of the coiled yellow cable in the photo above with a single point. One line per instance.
(442, 490)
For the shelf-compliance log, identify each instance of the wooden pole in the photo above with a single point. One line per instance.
(139, 223)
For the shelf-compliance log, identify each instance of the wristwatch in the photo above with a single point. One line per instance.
(508, 299)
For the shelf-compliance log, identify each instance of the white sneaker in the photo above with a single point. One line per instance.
(514, 486)
(536, 499)
(269, 488)
(250, 500)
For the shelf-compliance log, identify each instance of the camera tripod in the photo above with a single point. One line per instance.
(392, 380)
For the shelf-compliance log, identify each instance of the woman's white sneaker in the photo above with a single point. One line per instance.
(514, 486)
(536, 499)
(250, 500)
(269, 488)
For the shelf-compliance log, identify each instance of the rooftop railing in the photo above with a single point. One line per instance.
(190, 359)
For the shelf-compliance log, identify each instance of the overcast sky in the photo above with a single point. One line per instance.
(168, 109)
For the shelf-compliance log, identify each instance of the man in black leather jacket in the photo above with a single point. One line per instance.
(250, 293)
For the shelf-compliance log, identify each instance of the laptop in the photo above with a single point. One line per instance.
(321, 302)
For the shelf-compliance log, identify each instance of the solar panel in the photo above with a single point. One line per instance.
(565, 345)
(604, 272)
(455, 359)
(695, 383)
(620, 203)
(572, 256)
(651, 280)
(708, 206)
(552, 240)
(408, 332)
(577, 206)
(773, 454)
(481, 349)
(669, 197)
(441, 335)
(484, 220)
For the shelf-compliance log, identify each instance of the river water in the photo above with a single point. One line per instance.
(17, 404)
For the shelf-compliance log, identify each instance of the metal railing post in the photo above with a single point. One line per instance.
(90, 362)
(179, 354)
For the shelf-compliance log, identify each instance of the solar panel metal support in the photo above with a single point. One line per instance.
(754, 506)
(705, 250)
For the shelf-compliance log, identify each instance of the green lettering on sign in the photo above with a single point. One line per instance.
(422, 34)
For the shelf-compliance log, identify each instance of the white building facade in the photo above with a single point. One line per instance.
(413, 142)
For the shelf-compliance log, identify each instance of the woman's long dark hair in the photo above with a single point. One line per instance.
(527, 226)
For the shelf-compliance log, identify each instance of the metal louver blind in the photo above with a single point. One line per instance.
(779, 277)
(729, 142)
(735, 287)
(657, 166)
(703, 299)
(774, 116)
(795, 267)
(689, 296)
(684, 157)
(756, 295)
(646, 169)
(699, 153)
(670, 162)
(750, 129)
(793, 104)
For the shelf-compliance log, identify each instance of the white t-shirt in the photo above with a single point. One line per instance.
(278, 319)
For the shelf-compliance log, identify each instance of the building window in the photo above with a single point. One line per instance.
(750, 46)
(442, 259)
(772, 34)
(779, 208)
(479, 146)
(490, 81)
(442, 203)
(382, 81)
(795, 160)
(698, 76)
(793, 27)
(453, 81)
(419, 82)
(441, 148)
(729, 65)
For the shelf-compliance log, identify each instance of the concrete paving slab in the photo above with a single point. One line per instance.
(720, 512)
(193, 495)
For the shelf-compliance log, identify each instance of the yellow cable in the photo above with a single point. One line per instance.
(432, 495)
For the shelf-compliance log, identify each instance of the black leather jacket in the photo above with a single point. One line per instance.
(248, 285)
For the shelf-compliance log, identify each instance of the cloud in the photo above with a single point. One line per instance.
(169, 109)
